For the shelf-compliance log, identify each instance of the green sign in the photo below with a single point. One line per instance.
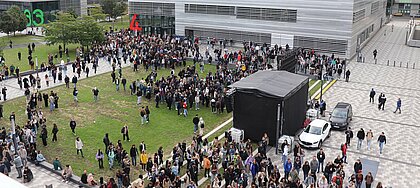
(33, 22)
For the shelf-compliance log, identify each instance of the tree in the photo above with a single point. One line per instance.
(13, 20)
(97, 13)
(113, 8)
(63, 30)
(89, 31)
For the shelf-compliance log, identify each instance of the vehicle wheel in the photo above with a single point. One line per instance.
(329, 134)
(319, 144)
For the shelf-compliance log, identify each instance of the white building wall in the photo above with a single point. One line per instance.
(320, 19)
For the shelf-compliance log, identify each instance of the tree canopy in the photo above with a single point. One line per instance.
(12, 20)
(113, 8)
(67, 29)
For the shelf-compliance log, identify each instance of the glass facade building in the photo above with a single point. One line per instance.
(154, 18)
(49, 8)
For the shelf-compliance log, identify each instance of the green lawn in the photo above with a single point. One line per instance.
(123, 23)
(21, 39)
(112, 111)
(41, 51)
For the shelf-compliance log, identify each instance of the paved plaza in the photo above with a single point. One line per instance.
(400, 162)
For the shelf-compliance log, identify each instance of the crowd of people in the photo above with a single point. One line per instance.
(182, 91)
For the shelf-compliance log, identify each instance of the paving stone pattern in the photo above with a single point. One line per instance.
(399, 165)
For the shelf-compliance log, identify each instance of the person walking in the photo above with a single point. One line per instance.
(18, 165)
(111, 157)
(79, 146)
(382, 142)
(375, 53)
(358, 166)
(73, 126)
(117, 84)
(54, 133)
(344, 153)
(398, 106)
(196, 120)
(288, 168)
(67, 81)
(124, 131)
(347, 75)
(95, 92)
(369, 137)
(201, 123)
(372, 96)
(100, 158)
(361, 137)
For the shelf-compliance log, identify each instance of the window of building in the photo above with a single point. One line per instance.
(210, 9)
(374, 7)
(358, 15)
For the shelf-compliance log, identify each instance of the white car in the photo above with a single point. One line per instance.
(315, 134)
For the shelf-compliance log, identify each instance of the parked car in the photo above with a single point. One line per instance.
(341, 116)
(315, 134)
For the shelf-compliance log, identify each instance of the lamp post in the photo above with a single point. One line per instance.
(13, 126)
(322, 79)
(277, 128)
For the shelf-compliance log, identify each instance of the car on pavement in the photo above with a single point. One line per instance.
(315, 134)
(341, 116)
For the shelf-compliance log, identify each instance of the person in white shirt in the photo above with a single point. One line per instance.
(79, 146)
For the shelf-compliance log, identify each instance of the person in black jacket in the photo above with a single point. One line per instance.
(372, 96)
(133, 154)
(106, 141)
(74, 81)
(73, 126)
(67, 81)
(196, 120)
(382, 142)
(54, 132)
(361, 136)
(349, 136)
(321, 157)
(358, 167)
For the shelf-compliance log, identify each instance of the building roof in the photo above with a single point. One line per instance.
(274, 83)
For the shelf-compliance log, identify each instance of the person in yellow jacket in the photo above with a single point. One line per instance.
(143, 160)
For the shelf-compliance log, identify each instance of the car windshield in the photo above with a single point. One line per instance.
(313, 130)
(339, 113)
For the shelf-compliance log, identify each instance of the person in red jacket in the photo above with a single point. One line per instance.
(337, 180)
(344, 152)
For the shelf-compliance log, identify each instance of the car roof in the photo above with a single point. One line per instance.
(318, 123)
(342, 105)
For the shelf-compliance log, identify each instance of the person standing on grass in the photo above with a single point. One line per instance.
(124, 82)
(147, 110)
(106, 141)
(95, 92)
(143, 160)
(201, 123)
(74, 81)
(73, 126)
(67, 81)
(111, 157)
(79, 146)
(100, 158)
(134, 152)
(51, 100)
(117, 84)
(75, 93)
(44, 135)
(196, 120)
(124, 131)
(143, 115)
(54, 133)
(398, 105)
